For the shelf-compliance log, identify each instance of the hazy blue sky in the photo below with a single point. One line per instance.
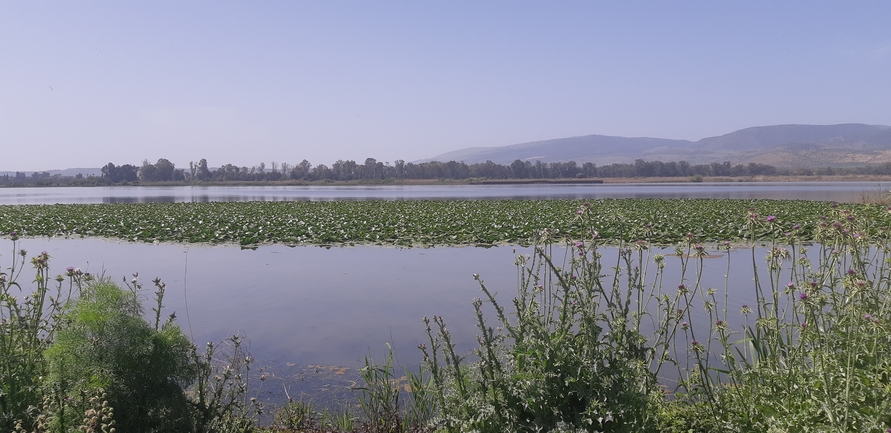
(86, 83)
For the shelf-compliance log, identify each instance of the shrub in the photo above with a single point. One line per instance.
(104, 344)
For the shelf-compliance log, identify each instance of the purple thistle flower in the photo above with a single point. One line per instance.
(803, 296)
(771, 218)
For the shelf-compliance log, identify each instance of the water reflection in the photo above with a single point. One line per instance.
(831, 191)
(309, 305)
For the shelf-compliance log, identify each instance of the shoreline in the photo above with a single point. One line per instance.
(481, 181)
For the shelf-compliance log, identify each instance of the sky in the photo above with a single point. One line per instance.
(87, 83)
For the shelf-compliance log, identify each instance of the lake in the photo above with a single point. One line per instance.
(829, 191)
(306, 310)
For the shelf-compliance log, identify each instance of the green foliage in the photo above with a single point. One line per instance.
(104, 343)
(384, 405)
(463, 222)
(572, 358)
(27, 328)
(295, 416)
(380, 397)
(816, 356)
(220, 394)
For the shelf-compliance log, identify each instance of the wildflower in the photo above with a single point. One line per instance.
(790, 285)
(804, 325)
(70, 272)
(867, 316)
(745, 310)
(803, 296)
(685, 325)
(13, 235)
(580, 211)
(796, 227)
(579, 244)
(771, 218)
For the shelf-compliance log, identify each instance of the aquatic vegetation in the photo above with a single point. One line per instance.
(591, 344)
(415, 223)
(597, 346)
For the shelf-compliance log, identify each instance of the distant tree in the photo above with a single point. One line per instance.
(203, 172)
(165, 170)
(518, 169)
(148, 171)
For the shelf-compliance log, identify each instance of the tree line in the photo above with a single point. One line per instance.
(348, 170)
(372, 169)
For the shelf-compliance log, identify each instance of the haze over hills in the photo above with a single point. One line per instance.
(783, 146)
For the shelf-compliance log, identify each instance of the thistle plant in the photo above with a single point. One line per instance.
(28, 326)
(569, 358)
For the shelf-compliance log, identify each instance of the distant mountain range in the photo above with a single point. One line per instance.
(787, 146)
(66, 172)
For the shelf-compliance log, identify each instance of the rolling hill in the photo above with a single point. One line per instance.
(791, 146)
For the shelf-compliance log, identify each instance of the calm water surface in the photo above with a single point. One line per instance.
(306, 309)
(831, 191)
